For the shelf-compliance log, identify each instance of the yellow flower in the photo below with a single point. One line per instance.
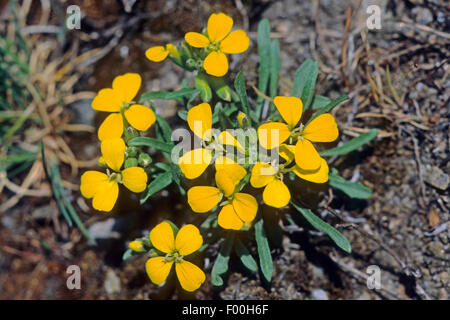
(219, 40)
(104, 188)
(276, 193)
(238, 209)
(193, 163)
(321, 129)
(119, 101)
(159, 53)
(188, 240)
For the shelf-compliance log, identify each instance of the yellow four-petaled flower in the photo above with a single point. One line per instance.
(218, 41)
(104, 188)
(119, 101)
(239, 208)
(187, 240)
(321, 129)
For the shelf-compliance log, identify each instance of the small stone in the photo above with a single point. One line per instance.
(437, 249)
(112, 282)
(104, 229)
(319, 294)
(437, 178)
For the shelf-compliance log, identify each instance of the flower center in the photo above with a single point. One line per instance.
(115, 176)
(214, 46)
(173, 257)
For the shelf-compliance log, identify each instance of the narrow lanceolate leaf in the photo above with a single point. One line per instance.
(305, 82)
(167, 95)
(264, 62)
(338, 238)
(351, 145)
(151, 143)
(275, 67)
(221, 264)
(265, 258)
(163, 129)
(201, 84)
(327, 108)
(239, 85)
(319, 102)
(160, 182)
(127, 254)
(352, 189)
(245, 256)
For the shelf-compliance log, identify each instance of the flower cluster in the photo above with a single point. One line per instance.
(226, 130)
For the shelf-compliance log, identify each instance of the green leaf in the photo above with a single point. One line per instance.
(351, 145)
(328, 107)
(167, 95)
(245, 256)
(159, 182)
(239, 85)
(264, 62)
(183, 114)
(265, 258)
(319, 102)
(152, 143)
(221, 263)
(127, 254)
(275, 67)
(352, 189)
(305, 81)
(338, 238)
(201, 84)
(163, 129)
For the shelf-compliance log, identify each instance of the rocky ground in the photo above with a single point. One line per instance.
(397, 81)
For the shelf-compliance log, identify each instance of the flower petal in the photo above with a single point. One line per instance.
(199, 119)
(107, 100)
(196, 40)
(162, 237)
(272, 134)
(219, 25)
(318, 176)
(173, 51)
(188, 240)
(111, 127)
(306, 156)
(190, 276)
(158, 269)
(227, 138)
(140, 117)
(113, 151)
(222, 161)
(135, 179)
(216, 64)
(290, 108)
(106, 196)
(225, 182)
(276, 194)
(203, 199)
(245, 206)
(156, 54)
(236, 42)
(90, 181)
(193, 163)
(287, 152)
(262, 174)
(228, 219)
(234, 170)
(321, 129)
(127, 86)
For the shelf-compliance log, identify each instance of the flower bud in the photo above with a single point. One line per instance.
(131, 162)
(242, 119)
(136, 246)
(131, 151)
(144, 160)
